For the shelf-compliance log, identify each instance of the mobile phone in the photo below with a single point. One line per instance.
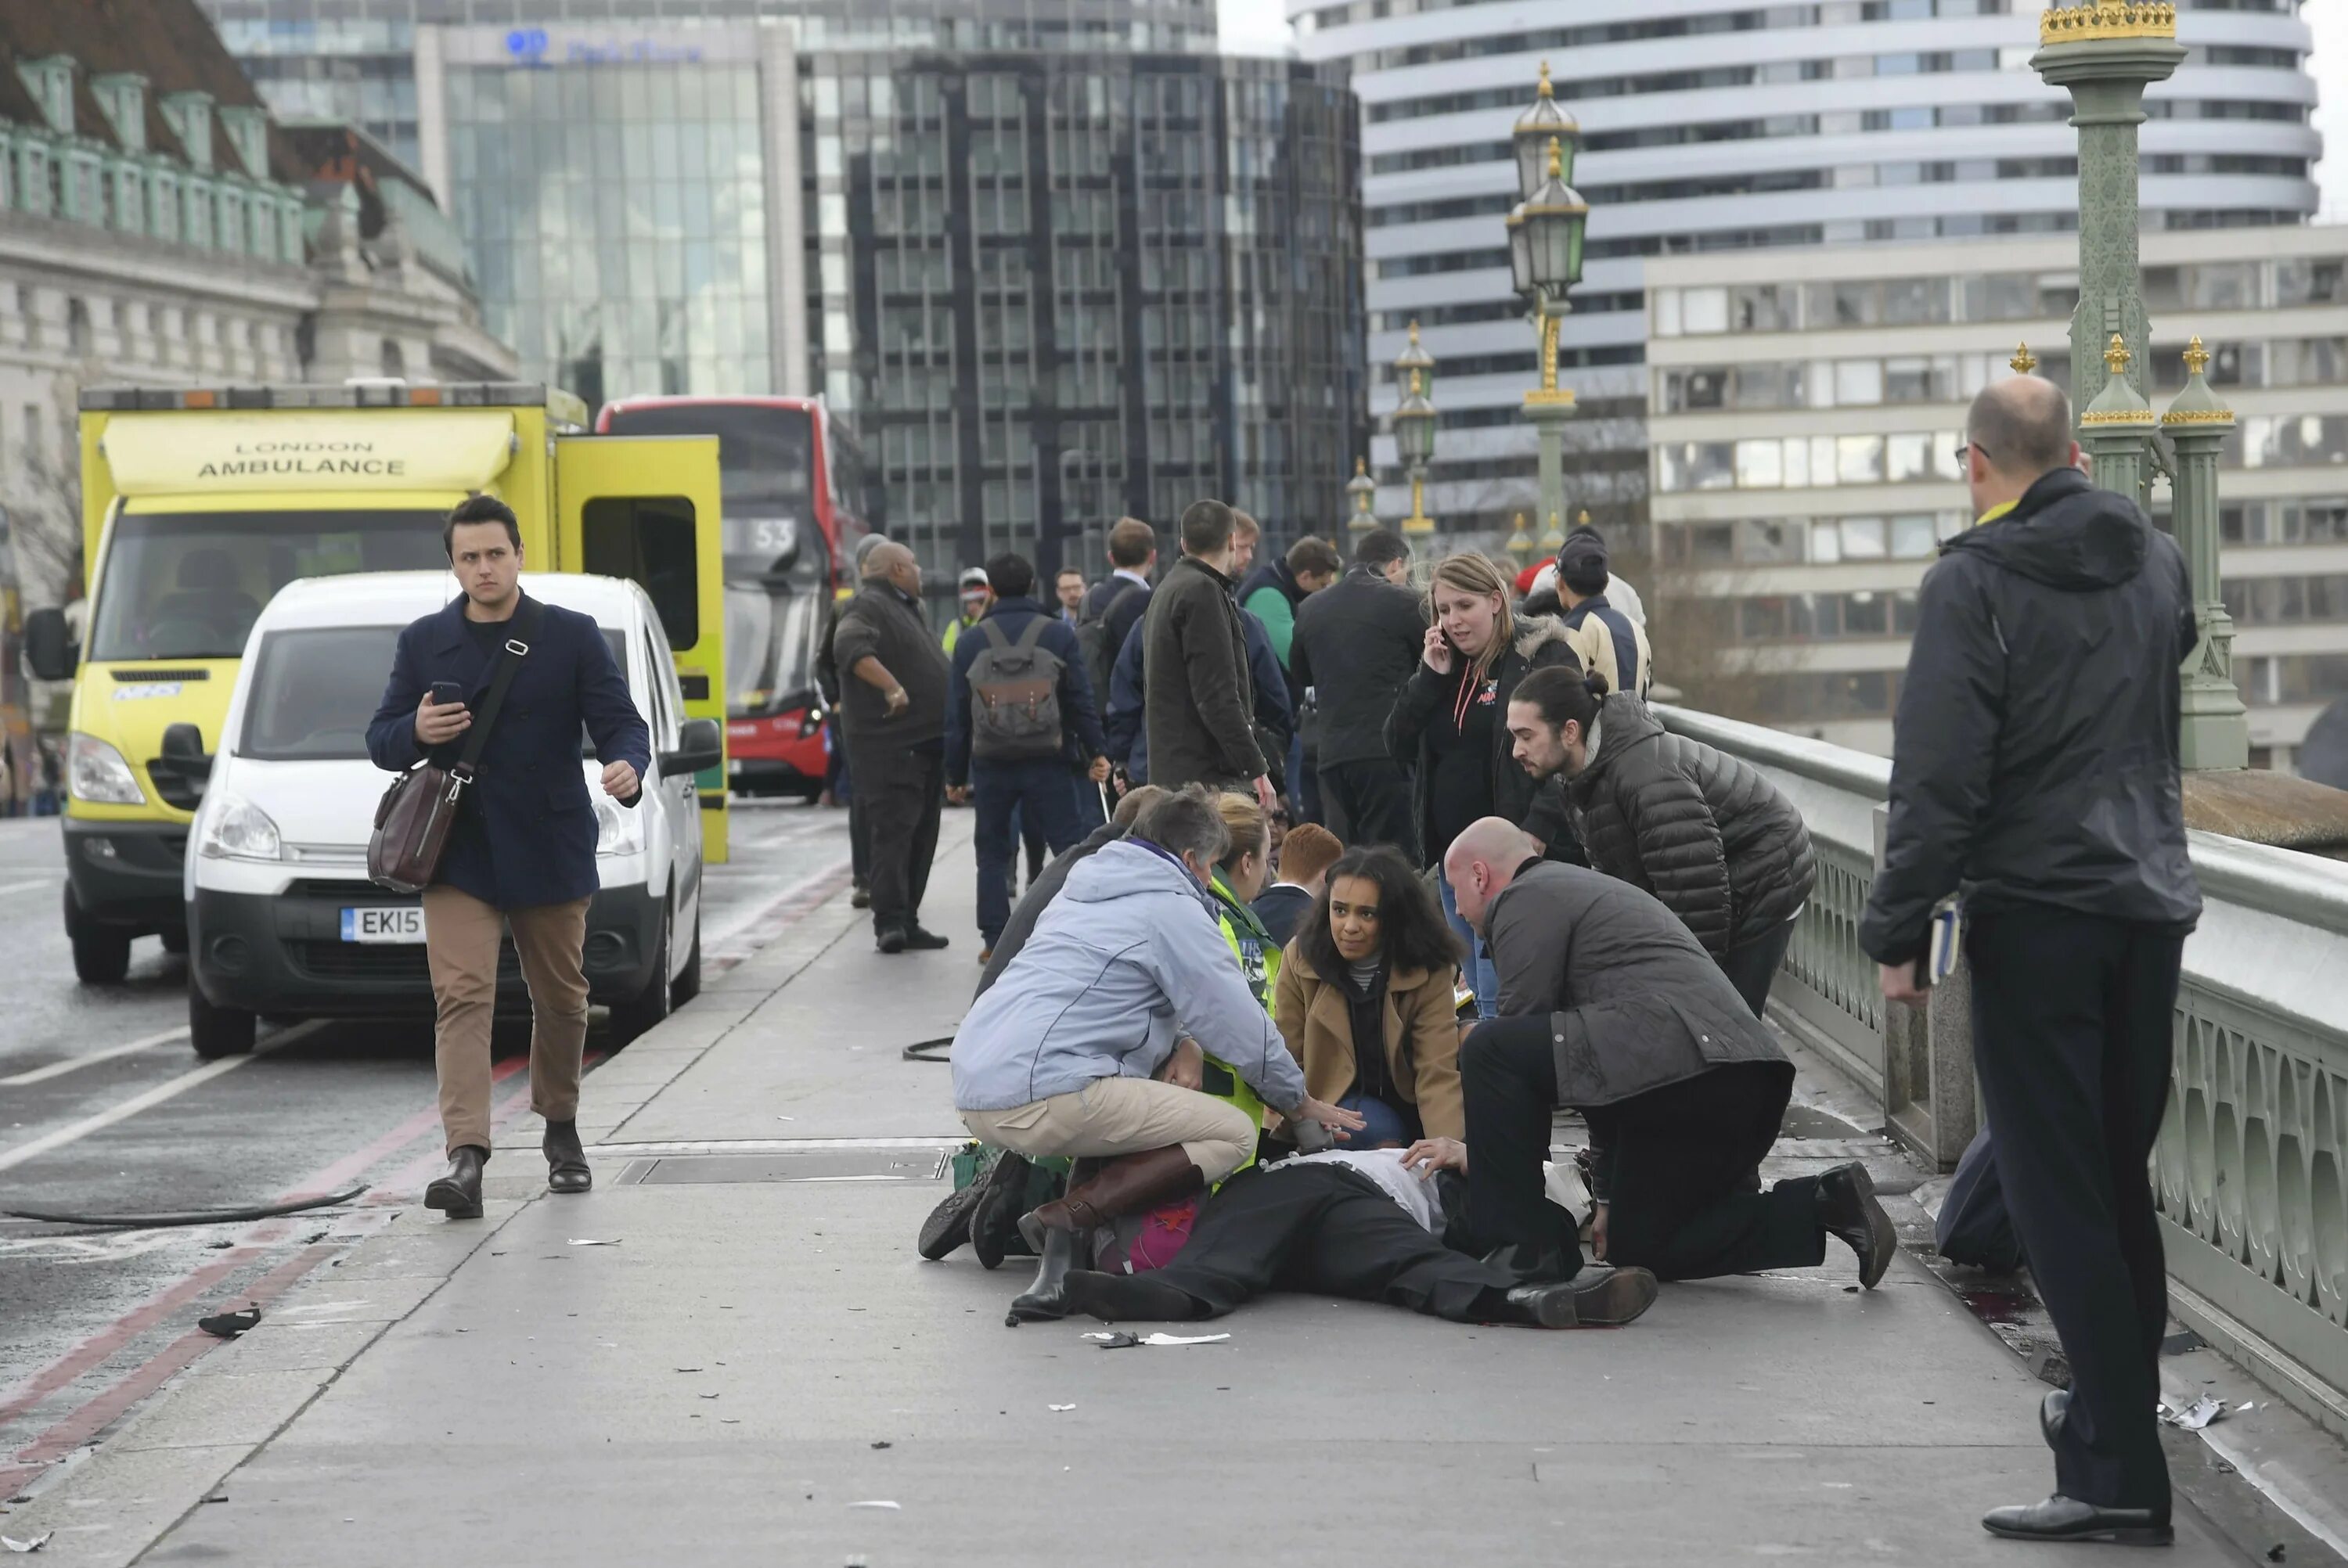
(444, 692)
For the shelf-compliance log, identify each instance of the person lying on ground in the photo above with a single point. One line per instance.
(1366, 1000)
(1368, 1225)
(1061, 1056)
(1609, 1006)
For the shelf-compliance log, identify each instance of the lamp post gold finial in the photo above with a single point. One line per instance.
(2024, 362)
(2117, 357)
(1360, 467)
(2197, 358)
(1413, 332)
(1556, 159)
(1546, 90)
(1581, 519)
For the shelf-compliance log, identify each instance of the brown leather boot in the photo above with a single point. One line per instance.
(1056, 1229)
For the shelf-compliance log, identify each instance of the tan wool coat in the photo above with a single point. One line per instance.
(1422, 1041)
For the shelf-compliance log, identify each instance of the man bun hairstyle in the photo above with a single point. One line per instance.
(1380, 545)
(1131, 543)
(1559, 694)
(1207, 527)
(1011, 576)
(1318, 557)
(478, 508)
(1310, 849)
(1186, 823)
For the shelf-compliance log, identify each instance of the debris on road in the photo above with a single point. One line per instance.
(589, 1240)
(2195, 1416)
(880, 1503)
(1059, 1406)
(881, 1445)
(1122, 1341)
(228, 1325)
(2178, 1344)
(34, 1544)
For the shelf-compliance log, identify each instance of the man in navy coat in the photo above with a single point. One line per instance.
(522, 852)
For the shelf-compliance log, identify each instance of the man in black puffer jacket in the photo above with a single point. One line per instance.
(1697, 828)
(2035, 768)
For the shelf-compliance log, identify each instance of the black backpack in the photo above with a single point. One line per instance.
(1093, 644)
(1015, 696)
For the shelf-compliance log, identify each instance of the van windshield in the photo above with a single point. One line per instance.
(189, 585)
(313, 692)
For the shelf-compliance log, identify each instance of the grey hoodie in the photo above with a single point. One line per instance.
(1124, 962)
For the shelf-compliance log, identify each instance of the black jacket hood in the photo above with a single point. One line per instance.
(2066, 534)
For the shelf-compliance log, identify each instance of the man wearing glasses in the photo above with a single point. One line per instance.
(2035, 774)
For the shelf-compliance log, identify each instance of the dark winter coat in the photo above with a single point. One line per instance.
(2034, 756)
(1539, 645)
(1199, 700)
(1635, 1002)
(1696, 827)
(1080, 726)
(526, 832)
(1356, 642)
(882, 623)
(1119, 603)
(1125, 721)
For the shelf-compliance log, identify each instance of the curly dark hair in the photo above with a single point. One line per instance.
(1411, 927)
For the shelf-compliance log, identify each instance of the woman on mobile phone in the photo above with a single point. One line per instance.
(1450, 720)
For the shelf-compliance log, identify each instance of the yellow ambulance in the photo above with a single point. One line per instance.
(198, 504)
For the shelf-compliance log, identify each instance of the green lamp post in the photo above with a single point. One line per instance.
(1364, 490)
(1545, 232)
(1412, 424)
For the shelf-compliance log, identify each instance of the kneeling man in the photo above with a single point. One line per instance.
(1609, 1007)
(1073, 1049)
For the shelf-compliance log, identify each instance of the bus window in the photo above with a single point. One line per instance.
(648, 539)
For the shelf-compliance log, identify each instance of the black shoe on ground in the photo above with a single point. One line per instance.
(2052, 1410)
(1129, 1298)
(1848, 1209)
(566, 1159)
(861, 898)
(890, 939)
(458, 1193)
(948, 1225)
(1597, 1298)
(924, 941)
(1002, 1198)
(2061, 1518)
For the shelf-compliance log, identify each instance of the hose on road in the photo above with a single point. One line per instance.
(198, 1217)
(929, 1049)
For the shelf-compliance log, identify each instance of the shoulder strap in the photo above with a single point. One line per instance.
(994, 634)
(525, 625)
(1035, 632)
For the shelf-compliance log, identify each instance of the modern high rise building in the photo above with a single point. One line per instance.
(1714, 125)
(1054, 262)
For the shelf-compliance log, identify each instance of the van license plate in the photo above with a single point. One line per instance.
(383, 924)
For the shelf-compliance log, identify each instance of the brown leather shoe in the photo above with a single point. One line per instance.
(1058, 1230)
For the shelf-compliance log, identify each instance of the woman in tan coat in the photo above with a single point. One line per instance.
(1365, 1002)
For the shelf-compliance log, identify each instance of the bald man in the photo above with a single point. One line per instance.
(893, 708)
(2035, 768)
(1609, 1006)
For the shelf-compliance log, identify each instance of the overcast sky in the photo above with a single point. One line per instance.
(1258, 27)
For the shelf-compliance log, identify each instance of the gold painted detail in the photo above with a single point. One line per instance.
(1546, 90)
(1550, 397)
(2100, 19)
(2024, 362)
(2117, 357)
(2136, 417)
(2198, 417)
(2197, 358)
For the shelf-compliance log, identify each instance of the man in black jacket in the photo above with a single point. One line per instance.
(893, 707)
(2034, 769)
(1200, 702)
(1357, 643)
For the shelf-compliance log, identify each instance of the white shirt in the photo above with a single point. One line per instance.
(1417, 1195)
(1131, 576)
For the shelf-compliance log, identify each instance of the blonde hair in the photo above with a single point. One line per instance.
(1476, 574)
(1250, 829)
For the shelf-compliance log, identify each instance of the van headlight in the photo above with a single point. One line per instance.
(95, 771)
(236, 831)
(618, 830)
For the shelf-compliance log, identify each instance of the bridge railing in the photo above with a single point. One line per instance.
(2252, 1168)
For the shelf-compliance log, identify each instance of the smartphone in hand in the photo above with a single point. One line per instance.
(445, 693)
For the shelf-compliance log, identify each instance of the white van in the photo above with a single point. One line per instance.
(281, 918)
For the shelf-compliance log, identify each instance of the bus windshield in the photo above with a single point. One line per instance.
(189, 585)
(766, 466)
(770, 646)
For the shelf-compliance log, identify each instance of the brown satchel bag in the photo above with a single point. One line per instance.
(416, 815)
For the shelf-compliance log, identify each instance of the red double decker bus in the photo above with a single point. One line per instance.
(794, 490)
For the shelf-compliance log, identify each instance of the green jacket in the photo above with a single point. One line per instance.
(1258, 960)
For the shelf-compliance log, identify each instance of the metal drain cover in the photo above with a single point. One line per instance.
(811, 1165)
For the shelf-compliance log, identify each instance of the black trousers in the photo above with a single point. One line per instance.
(1329, 1230)
(2073, 1029)
(903, 790)
(1371, 802)
(1678, 1163)
(1750, 965)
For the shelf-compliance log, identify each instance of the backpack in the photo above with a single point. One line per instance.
(1093, 644)
(1015, 696)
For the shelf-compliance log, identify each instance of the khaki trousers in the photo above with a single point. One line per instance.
(1123, 1116)
(460, 942)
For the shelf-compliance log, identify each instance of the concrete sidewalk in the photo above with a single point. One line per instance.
(762, 1371)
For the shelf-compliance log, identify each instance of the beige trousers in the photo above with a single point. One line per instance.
(1123, 1116)
(461, 935)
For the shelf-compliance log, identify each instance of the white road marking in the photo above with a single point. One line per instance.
(124, 1111)
(32, 887)
(59, 1069)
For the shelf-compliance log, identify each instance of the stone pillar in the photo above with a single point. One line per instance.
(2118, 427)
(2217, 727)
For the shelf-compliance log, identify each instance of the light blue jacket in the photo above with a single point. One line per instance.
(1124, 961)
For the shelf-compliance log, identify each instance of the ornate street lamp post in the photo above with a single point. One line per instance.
(2104, 53)
(1364, 490)
(1545, 242)
(1413, 424)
